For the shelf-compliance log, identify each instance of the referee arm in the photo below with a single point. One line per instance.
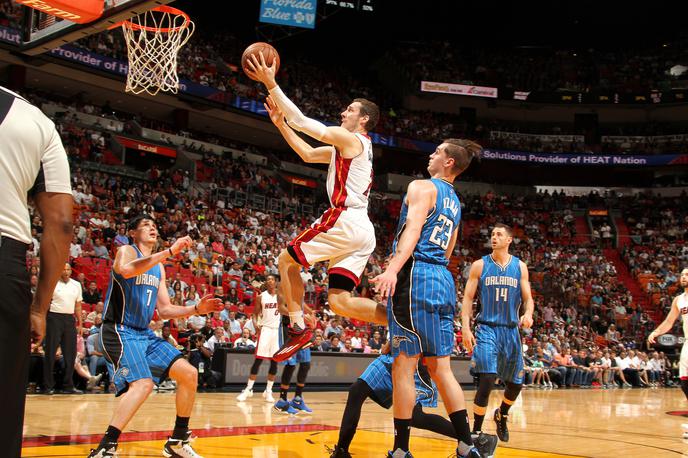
(56, 214)
(467, 304)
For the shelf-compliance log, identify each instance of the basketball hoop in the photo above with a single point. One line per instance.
(153, 41)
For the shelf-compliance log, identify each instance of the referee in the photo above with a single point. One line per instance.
(60, 331)
(32, 163)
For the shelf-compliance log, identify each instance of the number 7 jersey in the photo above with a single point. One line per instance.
(439, 225)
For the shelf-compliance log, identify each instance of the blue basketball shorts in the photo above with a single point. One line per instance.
(498, 351)
(421, 311)
(135, 354)
(378, 376)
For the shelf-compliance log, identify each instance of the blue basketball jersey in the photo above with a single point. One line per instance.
(439, 225)
(500, 292)
(132, 301)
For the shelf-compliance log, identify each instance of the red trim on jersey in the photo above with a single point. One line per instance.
(372, 176)
(346, 273)
(327, 222)
(684, 378)
(342, 167)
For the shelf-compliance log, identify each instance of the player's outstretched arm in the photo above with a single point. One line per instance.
(167, 310)
(467, 304)
(128, 265)
(666, 324)
(319, 155)
(526, 297)
(346, 141)
(420, 197)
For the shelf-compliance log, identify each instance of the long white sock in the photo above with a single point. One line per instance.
(269, 387)
(249, 385)
(297, 318)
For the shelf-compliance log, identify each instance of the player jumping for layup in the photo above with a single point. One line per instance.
(343, 235)
(422, 306)
(502, 280)
(136, 357)
(678, 307)
(267, 315)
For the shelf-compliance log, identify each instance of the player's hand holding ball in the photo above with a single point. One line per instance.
(181, 244)
(209, 304)
(261, 62)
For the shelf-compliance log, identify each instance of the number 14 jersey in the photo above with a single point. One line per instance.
(439, 226)
(500, 292)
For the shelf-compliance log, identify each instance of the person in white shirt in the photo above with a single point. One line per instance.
(219, 336)
(61, 331)
(245, 342)
(75, 248)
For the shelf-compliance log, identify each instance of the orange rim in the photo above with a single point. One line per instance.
(160, 9)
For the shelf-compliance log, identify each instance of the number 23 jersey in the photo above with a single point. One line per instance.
(439, 225)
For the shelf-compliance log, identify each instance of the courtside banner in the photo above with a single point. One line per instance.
(327, 368)
(458, 89)
(296, 13)
(588, 160)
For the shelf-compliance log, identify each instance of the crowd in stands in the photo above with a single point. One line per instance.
(582, 307)
(213, 61)
(527, 69)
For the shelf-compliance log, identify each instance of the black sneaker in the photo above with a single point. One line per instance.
(180, 448)
(108, 450)
(338, 452)
(485, 443)
(502, 429)
(472, 453)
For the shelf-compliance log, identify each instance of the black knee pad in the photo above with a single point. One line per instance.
(287, 373)
(359, 391)
(303, 373)
(256, 365)
(485, 384)
(512, 391)
(273, 368)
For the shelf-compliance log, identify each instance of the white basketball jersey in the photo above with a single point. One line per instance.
(682, 304)
(349, 180)
(270, 317)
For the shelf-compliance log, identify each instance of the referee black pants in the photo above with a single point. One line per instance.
(15, 343)
(59, 332)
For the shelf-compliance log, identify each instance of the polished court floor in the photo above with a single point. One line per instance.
(544, 423)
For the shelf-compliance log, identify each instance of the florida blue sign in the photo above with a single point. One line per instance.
(296, 13)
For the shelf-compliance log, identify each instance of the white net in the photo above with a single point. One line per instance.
(153, 41)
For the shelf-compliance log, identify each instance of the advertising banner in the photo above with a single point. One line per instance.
(458, 89)
(295, 13)
(584, 159)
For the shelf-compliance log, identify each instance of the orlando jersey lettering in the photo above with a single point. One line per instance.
(439, 225)
(500, 292)
(132, 301)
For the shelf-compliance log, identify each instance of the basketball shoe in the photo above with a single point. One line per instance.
(283, 406)
(299, 404)
(472, 453)
(485, 443)
(685, 430)
(502, 429)
(267, 395)
(298, 339)
(399, 453)
(337, 452)
(245, 394)
(180, 448)
(106, 451)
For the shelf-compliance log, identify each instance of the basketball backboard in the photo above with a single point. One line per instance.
(42, 31)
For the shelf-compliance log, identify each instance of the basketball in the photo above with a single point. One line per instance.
(269, 52)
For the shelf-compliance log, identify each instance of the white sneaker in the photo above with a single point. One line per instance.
(685, 430)
(267, 395)
(245, 394)
(179, 448)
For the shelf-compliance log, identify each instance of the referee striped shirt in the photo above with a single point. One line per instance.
(32, 160)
